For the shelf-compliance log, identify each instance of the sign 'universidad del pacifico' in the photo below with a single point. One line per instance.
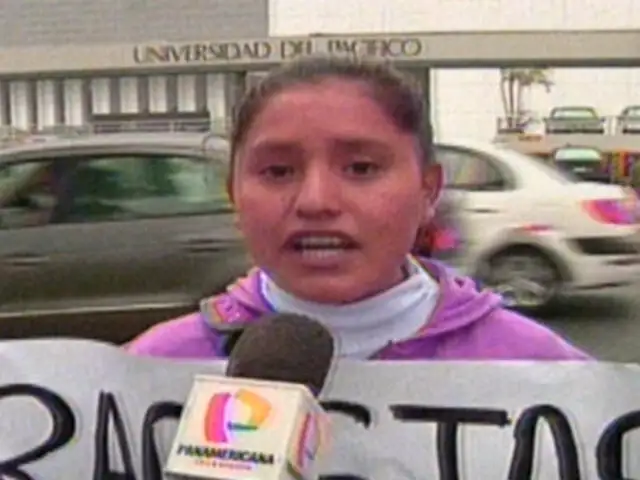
(276, 50)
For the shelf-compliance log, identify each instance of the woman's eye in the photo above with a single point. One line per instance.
(363, 168)
(277, 171)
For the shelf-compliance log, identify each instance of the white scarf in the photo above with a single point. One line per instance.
(363, 328)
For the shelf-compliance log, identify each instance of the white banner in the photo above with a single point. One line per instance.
(84, 410)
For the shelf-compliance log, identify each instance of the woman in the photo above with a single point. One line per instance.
(332, 177)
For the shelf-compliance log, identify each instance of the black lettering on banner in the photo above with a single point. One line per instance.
(525, 438)
(356, 411)
(108, 413)
(108, 410)
(609, 449)
(448, 420)
(361, 414)
(63, 429)
(151, 463)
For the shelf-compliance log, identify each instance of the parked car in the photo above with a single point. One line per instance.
(101, 236)
(586, 163)
(532, 231)
(629, 119)
(574, 119)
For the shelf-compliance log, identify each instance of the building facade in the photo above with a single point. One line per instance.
(465, 103)
(39, 101)
(161, 64)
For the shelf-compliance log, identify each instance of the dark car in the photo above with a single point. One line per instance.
(585, 163)
(104, 235)
(576, 119)
(629, 119)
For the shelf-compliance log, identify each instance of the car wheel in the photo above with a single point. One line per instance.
(526, 278)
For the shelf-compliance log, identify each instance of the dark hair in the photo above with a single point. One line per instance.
(394, 92)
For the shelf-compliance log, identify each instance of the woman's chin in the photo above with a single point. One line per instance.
(330, 292)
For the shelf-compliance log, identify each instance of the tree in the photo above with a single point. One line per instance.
(513, 83)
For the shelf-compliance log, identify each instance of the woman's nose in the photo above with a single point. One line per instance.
(319, 194)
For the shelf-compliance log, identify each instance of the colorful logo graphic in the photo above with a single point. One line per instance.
(309, 442)
(231, 413)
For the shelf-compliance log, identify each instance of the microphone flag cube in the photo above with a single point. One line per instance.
(242, 429)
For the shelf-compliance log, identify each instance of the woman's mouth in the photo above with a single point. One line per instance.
(321, 248)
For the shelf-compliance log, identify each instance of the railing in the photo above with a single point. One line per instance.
(506, 125)
(613, 125)
(10, 135)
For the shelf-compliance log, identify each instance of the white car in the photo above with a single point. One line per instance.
(533, 231)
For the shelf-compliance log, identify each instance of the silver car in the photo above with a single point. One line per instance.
(102, 235)
(629, 119)
(574, 119)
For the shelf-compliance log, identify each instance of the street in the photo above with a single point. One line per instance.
(605, 324)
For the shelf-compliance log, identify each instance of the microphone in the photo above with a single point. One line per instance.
(262, 420)
(284, 347)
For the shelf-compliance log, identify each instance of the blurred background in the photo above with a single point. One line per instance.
(113, 151)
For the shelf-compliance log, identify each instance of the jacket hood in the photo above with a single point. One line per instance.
(461, 302)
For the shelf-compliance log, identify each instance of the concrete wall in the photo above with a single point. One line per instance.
(467, 102)
(41, 103)
(80, 22)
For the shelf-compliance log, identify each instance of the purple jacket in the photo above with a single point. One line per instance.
(467, 324)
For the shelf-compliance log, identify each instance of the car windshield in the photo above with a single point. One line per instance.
(572, 154)
(573, 113)
(632, 112)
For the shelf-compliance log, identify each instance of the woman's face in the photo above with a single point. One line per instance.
(330, 193)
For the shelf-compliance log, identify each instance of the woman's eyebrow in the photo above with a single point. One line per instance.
(357, 144)
(279, 146)
(291, 147)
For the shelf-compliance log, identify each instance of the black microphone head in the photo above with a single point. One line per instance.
(283, 347)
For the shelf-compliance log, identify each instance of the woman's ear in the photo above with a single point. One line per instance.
(432, 184)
